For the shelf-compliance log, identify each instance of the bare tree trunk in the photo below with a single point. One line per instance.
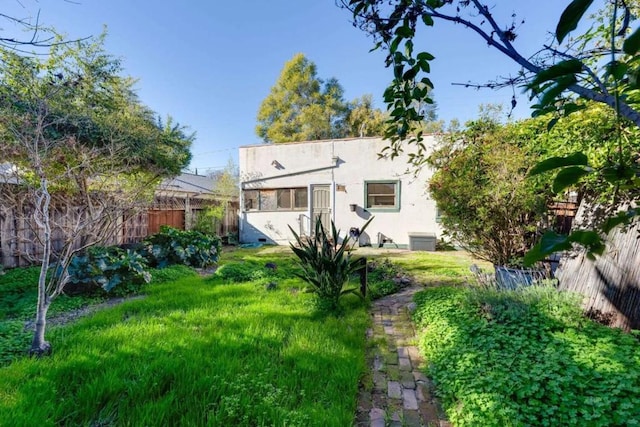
(39, 346)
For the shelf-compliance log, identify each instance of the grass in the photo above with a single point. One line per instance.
(526, 358)
(197, 351)
(447, 268)
(241, 347)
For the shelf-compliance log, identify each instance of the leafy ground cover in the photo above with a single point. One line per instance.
(198, 351)
(526, 358)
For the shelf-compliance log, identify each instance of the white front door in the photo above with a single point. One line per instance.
(321, 206)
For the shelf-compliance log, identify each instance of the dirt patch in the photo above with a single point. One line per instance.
(73, 315)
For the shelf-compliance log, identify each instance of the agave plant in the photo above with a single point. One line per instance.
(327, 263)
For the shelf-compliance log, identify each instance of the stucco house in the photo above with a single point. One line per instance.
(296, 184)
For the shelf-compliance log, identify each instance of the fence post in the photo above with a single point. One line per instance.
(363, 277)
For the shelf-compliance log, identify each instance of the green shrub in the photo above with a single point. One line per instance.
(246, 271)
(327, 264)
(170, 273)
(380, 278)
(172, 246)
(107, 268)
(526, 358)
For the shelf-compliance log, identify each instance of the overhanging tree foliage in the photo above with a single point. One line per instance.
(601, 64)
(84, 152)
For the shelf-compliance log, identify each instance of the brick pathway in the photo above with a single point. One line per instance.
(396, 393)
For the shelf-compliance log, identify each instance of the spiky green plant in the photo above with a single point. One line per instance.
(327, 263)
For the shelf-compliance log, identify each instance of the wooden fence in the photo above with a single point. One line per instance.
(20, 237)
(610, 284)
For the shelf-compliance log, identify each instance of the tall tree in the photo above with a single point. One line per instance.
(301, 106)
(85, 152)
(364, 119)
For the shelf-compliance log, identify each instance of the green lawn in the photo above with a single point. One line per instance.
(197, 351)
(245, 346)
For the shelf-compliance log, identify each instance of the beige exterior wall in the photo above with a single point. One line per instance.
(344, 165)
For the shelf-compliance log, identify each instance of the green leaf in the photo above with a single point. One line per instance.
(575, 159)
(570, 18)
(425, 56)
(568, 177)
(562, 83)
(427, 19)
(549, 243)
(617, 69)
(404, 31)
(410, 74)
(631, 44)
(617, 173)
(570, 66)
(359, 7)
(590, 240)
(572, 107)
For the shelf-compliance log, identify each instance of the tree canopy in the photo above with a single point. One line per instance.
(79, 142)
(303, 107)
(480, 185)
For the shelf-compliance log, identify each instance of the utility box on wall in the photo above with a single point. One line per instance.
(422, 241)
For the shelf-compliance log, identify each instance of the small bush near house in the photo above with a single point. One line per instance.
(327, 264)
(243, 272)
(383, 278)
(170, 274)
(173, 246)
(115, 270)
(526, 358)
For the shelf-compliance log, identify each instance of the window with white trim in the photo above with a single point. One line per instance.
(383, 195)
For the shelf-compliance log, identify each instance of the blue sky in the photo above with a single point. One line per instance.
(209, 64)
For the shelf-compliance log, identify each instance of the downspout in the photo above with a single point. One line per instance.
(334, 159)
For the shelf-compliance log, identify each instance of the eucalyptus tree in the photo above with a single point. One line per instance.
(86, 153)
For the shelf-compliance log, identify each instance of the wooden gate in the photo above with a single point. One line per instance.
(172, 218)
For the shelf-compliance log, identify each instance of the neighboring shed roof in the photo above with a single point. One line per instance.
(189, 183)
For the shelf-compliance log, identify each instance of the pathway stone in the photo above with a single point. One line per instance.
(400, 394)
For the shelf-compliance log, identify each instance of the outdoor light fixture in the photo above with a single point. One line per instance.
(352, 207)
